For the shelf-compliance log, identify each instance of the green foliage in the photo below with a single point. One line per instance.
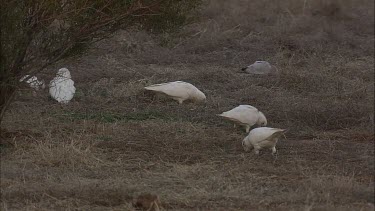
(103, 138)
(108, 117)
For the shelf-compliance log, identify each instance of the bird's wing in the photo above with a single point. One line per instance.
(274, 133)
(241, 115)
(246, 107)
(62, 90)
(173, 89)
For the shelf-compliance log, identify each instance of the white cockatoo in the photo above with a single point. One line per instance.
(245, 115)
(33, 82)
(179, 90)
(61, 88)
(260, 68)
(262, 137)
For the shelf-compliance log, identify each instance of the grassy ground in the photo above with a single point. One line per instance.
(115, 141)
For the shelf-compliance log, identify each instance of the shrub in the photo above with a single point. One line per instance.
(36, 34)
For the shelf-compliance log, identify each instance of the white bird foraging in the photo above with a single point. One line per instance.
(179, 90)
(33, 82)
(245, 115)
(262, 137)
(260, 68)
(61, 88)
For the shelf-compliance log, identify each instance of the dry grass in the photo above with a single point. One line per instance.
(114, 141)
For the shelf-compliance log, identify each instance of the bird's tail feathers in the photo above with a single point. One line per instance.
(278, 133)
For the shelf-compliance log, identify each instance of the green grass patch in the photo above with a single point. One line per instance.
(104, 138)
(108, 117)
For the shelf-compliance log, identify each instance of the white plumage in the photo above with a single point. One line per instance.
(262, 137)
(245, 115)
(33, 82)
(179, 90)
(61, 88)
(260, 68)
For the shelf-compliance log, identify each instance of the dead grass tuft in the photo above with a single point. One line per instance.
(147, 202)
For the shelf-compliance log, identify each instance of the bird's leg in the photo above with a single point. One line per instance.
(256, 151)
(247, 128)
(273, 150)
(274, 155)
